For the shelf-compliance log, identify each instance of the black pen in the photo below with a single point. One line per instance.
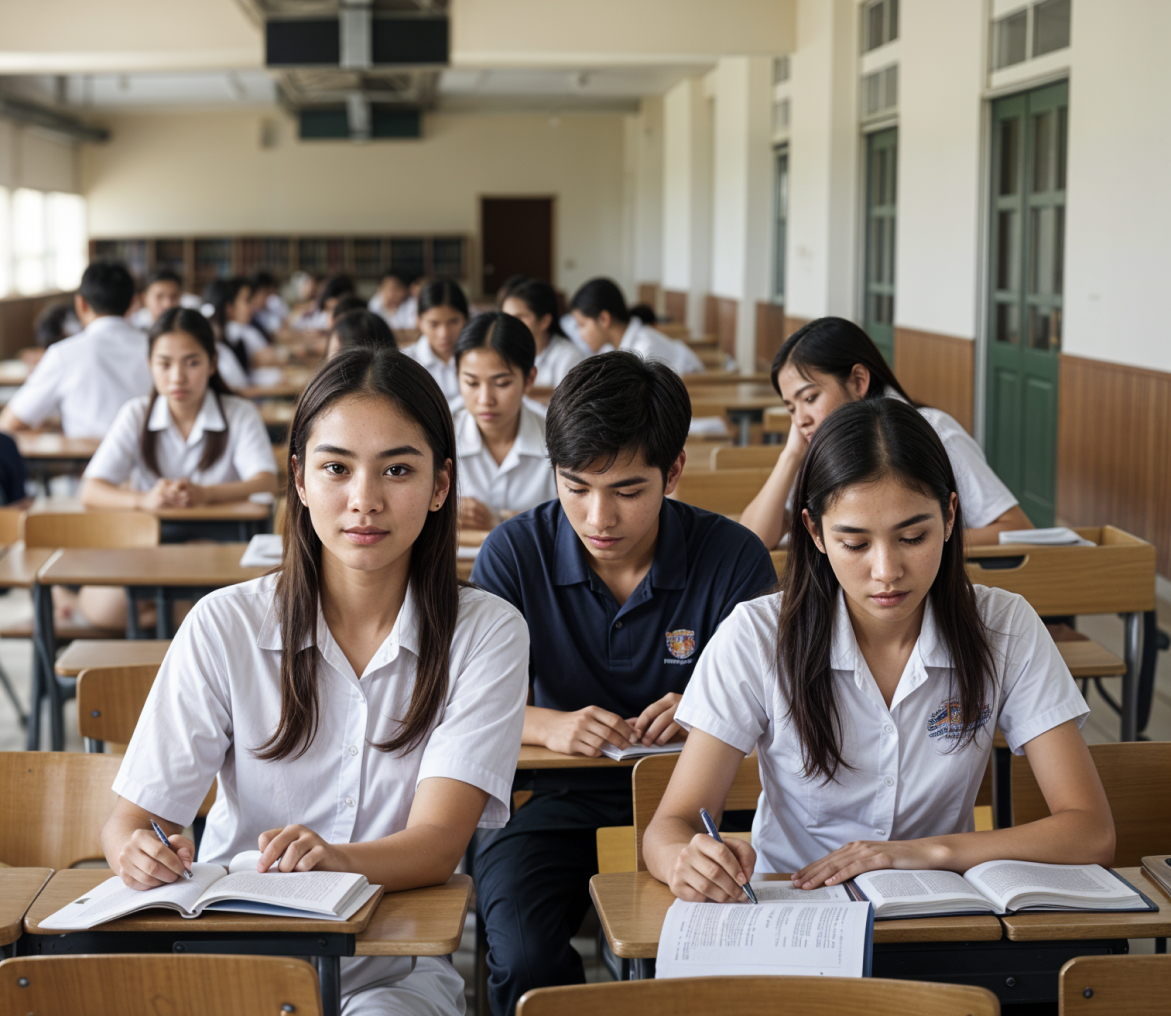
(167, 843)
(715, 835)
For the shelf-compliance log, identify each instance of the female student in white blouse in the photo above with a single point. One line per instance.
(871, 688)
(500, 441)
(535, 303)
(362, 709)
(830, 362)
(443, 313)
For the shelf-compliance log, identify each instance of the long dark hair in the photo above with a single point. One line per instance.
(858, 443)
(192, 323)
(833, 345)
(363, 328)
(507, 336)
(443, 293)
(541, 299)
(386, 374)
(221, 294)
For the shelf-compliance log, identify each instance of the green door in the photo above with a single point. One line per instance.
(881, 158)
(1027, 253)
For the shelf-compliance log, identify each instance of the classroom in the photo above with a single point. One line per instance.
(521, 508)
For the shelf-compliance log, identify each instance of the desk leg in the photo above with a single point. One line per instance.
(1001, 788)
(329, 974)
(44, 680)
(1133, 655)
(133, 628)
(642, 970)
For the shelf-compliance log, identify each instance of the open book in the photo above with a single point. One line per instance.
(830, 936)
(640, 750)
(998, 887)
(321, 895)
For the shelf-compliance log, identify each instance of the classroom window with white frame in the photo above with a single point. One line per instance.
(42, 241)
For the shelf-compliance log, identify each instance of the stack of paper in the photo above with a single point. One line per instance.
(263, 551)
(1058, 536)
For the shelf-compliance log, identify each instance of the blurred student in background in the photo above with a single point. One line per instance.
(393, 301)
(535, 303)
(443, 314)
(359, 328)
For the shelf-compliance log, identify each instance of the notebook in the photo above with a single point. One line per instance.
(1057, 536)
(640, 750)
(263, 551)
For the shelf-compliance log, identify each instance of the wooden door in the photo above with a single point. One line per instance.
(881, 209)
(1027, 254)
(517, 239)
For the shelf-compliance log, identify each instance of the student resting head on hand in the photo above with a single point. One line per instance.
(871, 688)
(359, 328)
(535, 303)
(443, 313)
(830, 362)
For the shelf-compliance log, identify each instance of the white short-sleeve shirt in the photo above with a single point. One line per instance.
(405, 315)
(249, 451)
(654, 345)
(908, 780)
(250, 338)
(556, 360)
(86, 379)
(228, 366)
(522, 481)
(446, 375)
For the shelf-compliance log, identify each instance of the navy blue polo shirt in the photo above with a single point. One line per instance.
(588, 650)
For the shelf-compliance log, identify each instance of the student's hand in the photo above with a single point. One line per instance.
(585, 731)
(189, 495)
(870, 855)
(706, 870)
(656, 724)
(475, 515)
(796, 444)
(145, 862)
(299, 849)
(159, 496)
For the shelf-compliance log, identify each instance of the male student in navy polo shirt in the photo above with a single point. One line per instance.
(622, 589)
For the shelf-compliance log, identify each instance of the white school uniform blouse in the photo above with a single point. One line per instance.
(86, 378)
(446, 375)
(405, 315)
(217, 695)
(556, 360)
(522, 481)
(228, 366)
(119, 456)
(248, 336)
(908, 780)
(653, 345)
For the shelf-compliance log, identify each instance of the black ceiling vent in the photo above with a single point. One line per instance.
(310, 42)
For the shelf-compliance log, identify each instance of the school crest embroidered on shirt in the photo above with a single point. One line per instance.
(681, 643)
(948, 720)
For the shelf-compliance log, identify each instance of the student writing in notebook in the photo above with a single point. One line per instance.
(500, 441)
(85, 379)
(830, 362)
(362, 709)
(623, 589)
(871, 688)
(443, 312)
(535, 303)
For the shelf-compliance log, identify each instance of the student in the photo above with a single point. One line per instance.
(56, 322)
(393, 301)
(535, 303)
(500, 442)
(361, 707)
(443, 313)
(230, 303)
(163, 290)
(622, 588)
(86, 378)
(830, 362)
(871, 688)
(269, 310)
(604, 323)
(346, 305)
(320, 316)
(359, 328)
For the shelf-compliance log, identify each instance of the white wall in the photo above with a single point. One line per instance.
(207, 173)
(30, 158)
(646, 239)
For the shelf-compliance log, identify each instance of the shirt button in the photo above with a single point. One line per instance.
(889, 729)
(349, 802)
(617, 624)
(353, 750)
(889, 782)
(880, 832)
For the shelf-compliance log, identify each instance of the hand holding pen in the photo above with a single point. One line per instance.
(715, 835)
(167, 843)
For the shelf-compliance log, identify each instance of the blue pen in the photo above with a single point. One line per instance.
(167, 843)
(715, 835)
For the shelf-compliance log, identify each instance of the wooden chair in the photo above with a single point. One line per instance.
(53, 808)
(762, 996)
(726, 491)
(1135, 777)
(1118, 985)
(146, 985)
(746, 456)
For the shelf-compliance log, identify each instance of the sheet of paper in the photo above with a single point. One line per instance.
(263, 551)
(783, 892)
(113, 898)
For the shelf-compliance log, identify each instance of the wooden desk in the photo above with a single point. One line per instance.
(277, 414)
(535, 757)
(13, 373)
(19, 565)
(418, 922)
(48, 454)
(777, 420)
(247, 518)
(289, 385)
(160, 930)
(18, 889)
(705, 378)
(744, 403)
(85, 653)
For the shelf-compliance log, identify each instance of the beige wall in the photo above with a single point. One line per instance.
(207, 173)
(30, 158)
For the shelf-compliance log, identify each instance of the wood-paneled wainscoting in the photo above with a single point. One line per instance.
(648, 293)
(675, 305)
(938, 370)
(770, 333)
(1114, 449)
(719, 319)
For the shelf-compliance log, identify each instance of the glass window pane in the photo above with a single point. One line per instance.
(1011, 35)
(1009, 154)
(1042, 153)
(66, 240)
(1050, 26)
(892, 19)
(1059, 250)
(780, 208)
(1006, 323)
(1006, 251)
(874, 26)
(28, 240)
(1040, 322)
(1062, 127)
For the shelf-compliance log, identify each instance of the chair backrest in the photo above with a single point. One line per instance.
(1134, 775)
(756, 996)
(110, 700)
(745, 456)
(651, 776)
(9, 526)
(726, 491)
(53, 807)
(178, 985)
(103, 530)
(1118, 985)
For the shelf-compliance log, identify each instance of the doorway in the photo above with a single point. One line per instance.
(517, 238)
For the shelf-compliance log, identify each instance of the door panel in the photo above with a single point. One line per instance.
(517, 237)
(881, 217)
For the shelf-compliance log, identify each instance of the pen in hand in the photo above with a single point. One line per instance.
(167, 843)
(715, 835)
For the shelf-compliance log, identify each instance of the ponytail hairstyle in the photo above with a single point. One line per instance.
(443, 293)
(369, 373)
(192, 323)
(221, 294)
(507, 336)
(833, 345)
(858, 443)
(541, 299)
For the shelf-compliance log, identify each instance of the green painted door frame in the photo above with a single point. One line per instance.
(881, 208)
(1025, 281)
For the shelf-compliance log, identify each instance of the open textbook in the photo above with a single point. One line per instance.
(640, 750)
(815, 935)
(321, 895)
(998, 887)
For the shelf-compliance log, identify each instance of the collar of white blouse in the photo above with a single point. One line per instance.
(530, 438)
(403, 635)
(209, 418)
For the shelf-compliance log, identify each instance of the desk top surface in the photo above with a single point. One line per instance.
(40, 445)
(418, 922)
(742, 395)
(18, 890)
(633, 905)
(84, 653)
(19, 564)
(229, 511)
(172, 564)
